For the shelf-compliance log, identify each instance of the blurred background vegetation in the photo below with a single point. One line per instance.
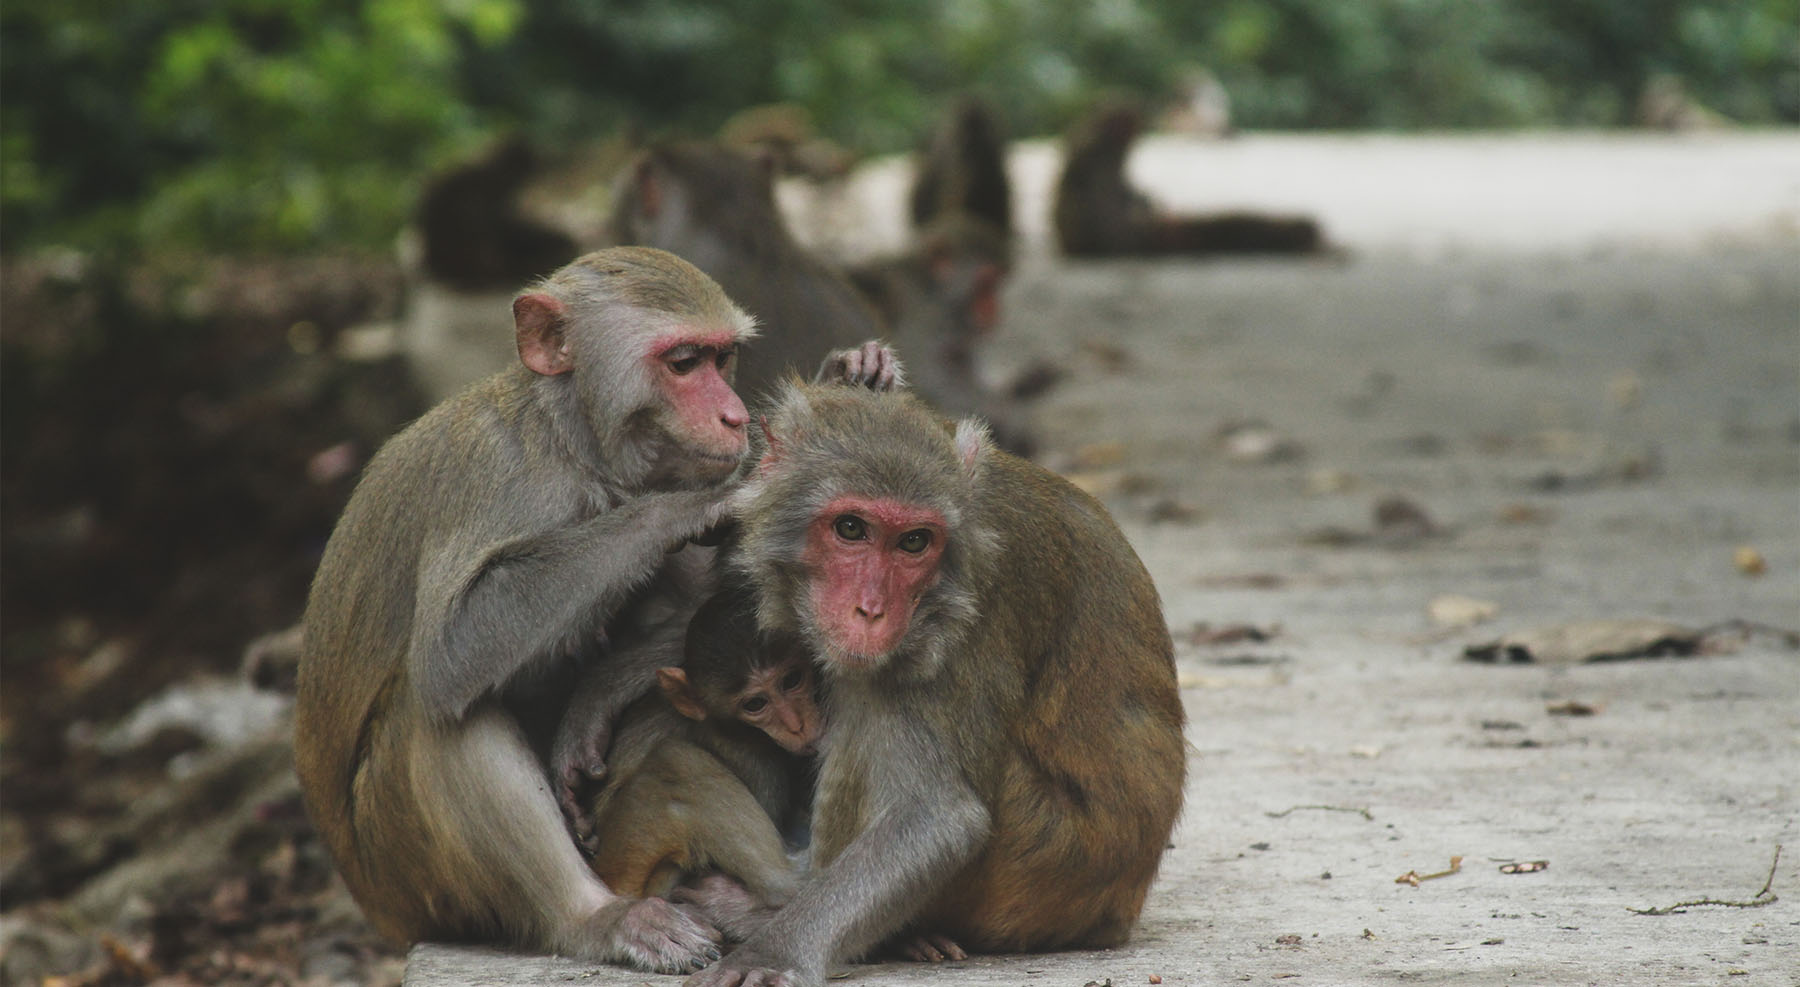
(287, 125)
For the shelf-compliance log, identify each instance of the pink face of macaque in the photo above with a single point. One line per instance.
(693, 371)
(871, 560)
(779, 701)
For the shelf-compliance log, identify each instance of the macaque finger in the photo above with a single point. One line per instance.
(946, 946)
(716, 534)
(659, 937)
(873, 365)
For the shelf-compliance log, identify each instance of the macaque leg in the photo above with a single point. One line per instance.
(721, 827)
(500, 820)
(740, 839)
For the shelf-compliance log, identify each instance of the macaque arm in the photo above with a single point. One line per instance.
(482, 616)
(873, 365)
(930, 825)
(578, 754)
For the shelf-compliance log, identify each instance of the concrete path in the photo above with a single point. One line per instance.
(1603, 422)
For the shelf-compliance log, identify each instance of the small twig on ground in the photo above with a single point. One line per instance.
(1761, 898)
(1366, 814)
(1413, 877)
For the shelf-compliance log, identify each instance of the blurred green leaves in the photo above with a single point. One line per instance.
(291, 124)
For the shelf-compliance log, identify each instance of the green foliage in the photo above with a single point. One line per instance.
(237, 124)
(287, 124)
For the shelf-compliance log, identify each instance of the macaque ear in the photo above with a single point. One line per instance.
(538, 331)
(768, 165)
(771, 445)
(680, 693)
(649, 188)
(972, 445)
(940, 258)
(984, 301)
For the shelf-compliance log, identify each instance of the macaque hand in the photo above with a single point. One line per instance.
(873, 365)
(578, 764)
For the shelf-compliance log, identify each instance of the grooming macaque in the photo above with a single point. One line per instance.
(939, 300)
(962, 171)
(1005, 760)
(1098, 213)
(536, 523)
(711, 769)
(716, 208)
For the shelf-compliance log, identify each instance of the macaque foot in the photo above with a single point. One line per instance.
(928, 948)
(725, 903)
(746, 968)
(873, 365)
(652, 934)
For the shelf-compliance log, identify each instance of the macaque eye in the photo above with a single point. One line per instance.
(849, 527)
(683, 360)
(725, 358)
(754, 705)
(794, 679)
(914, 542)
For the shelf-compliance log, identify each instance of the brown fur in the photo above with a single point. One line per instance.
(681, 809)
(694, 784)
(489, 548)
(1010, 774)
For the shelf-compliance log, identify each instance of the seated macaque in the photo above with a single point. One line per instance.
(712, 769)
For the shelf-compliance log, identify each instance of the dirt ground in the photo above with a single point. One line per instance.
(1562, 385)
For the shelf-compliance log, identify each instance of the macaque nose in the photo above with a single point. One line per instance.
(870, 612)
(734, 416)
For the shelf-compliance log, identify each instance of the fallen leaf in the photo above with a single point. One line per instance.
(1203, 633)
(1749, 561)
(1625, 390)
(1451, 610)
(1322, 482)
(1525, 867)
(1572, 708)
(1522, 513)
(1099, 455)
(1257, 442)
(1170, 510)
(1398, 517)
(1588, 641)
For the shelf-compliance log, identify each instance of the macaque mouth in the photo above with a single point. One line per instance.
(854, 660)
